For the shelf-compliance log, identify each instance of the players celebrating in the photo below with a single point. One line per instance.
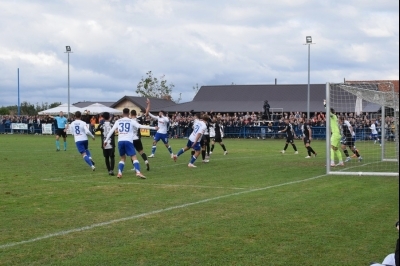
(162, 132)
(126, 130)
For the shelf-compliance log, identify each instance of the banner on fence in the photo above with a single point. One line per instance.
(145, 132)
(20, 126)
(47, 129)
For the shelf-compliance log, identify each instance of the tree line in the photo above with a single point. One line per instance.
(27, 108)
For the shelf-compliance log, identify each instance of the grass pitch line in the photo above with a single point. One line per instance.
(133, 217)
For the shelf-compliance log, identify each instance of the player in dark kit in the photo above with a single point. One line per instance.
(290, 135)
(137, 142)
(109, 149)
(205, 142)
(307, 136)
(348, 139)
(218, 135)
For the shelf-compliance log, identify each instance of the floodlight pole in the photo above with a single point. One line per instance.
(308, 42)
(68, 51)
(308, 85)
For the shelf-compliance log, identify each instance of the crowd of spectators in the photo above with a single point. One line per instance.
(241, 124)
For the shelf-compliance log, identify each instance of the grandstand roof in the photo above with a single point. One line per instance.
(140, 102)
(250, 98)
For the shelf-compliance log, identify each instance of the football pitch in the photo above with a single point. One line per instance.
(253, 206)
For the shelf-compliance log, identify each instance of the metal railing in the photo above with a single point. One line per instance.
(259, 132)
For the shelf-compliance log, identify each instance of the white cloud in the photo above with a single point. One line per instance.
(115, 43)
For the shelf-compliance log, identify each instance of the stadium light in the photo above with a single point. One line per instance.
(308, 42)
(68, 51)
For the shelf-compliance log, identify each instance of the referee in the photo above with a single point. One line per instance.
(60, 131)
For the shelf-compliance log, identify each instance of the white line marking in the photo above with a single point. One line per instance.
(89, 227)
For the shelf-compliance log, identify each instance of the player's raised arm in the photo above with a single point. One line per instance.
(147, 106)
(137, 125)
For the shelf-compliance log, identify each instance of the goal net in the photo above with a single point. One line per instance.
(372, 111)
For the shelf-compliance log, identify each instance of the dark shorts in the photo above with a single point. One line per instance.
(217, 139)
(348, 142)
(290, 140)
(109, 152)
(60, 132)
(202, 142)
(205, 139)
(137, 143)
(306, 140)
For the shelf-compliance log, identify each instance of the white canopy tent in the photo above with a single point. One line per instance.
(98, 108)
(61, 108)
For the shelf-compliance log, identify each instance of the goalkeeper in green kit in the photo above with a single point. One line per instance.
(335, 138)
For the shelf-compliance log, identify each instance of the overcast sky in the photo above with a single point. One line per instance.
(219, 42)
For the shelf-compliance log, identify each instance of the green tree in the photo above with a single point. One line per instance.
(4, 111)
(151, 86)
(12, 109)
(27, 108)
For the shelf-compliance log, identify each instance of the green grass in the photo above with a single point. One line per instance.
(253, 206)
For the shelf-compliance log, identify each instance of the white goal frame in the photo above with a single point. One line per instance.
(391, 101)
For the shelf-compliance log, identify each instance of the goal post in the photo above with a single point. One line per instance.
(363, 104)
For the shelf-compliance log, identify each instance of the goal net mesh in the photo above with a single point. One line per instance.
(367, 105)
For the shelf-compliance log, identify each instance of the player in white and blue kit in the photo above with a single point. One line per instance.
(80, 131)
(126, 133)
(374, 132)
(199, 128)
(62, 123)
(162, 132)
